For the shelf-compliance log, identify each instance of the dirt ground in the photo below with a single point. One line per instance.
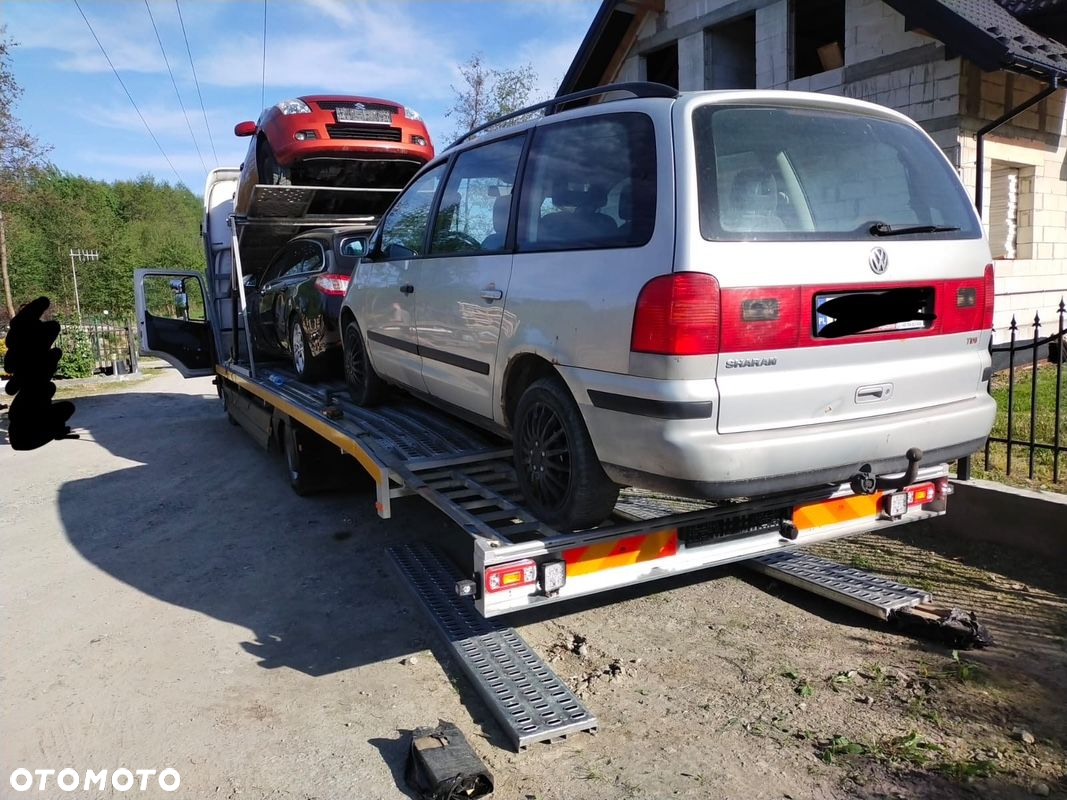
(166, 601)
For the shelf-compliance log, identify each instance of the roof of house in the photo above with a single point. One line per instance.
(994, 34)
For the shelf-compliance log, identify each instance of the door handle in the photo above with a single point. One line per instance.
(407, 288)
(492, 294)
(873, 394)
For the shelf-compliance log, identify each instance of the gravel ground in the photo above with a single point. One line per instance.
(166, 601)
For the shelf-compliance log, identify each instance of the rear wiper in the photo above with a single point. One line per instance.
(885, 229)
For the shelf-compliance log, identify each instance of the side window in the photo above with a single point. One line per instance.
(313, 258)
(278, 266)
(404, 227)
(476, 204)
(590, 183)
(304, 258)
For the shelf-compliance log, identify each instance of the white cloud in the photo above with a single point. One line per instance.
(550, 59)
(337, 10)
(395, 52)
(127, 38)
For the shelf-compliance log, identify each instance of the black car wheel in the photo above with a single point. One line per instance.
(558, 469)
(307, 366)
(363, 382)
(270, 171)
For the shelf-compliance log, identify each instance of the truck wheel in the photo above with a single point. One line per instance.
(307, 366)
(363, 382)
(297, 467)
(226, 406)
(558, 469)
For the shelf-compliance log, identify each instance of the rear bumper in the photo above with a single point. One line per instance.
(688, 456)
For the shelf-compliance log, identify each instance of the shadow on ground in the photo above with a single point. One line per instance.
(195, 514)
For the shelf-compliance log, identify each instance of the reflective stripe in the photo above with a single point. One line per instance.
(843, 509)
(621, 552)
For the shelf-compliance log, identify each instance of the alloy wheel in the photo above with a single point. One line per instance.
(545, 455)
(298, 348)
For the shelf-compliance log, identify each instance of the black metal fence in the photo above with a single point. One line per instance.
(112, 344)
(1040, 429)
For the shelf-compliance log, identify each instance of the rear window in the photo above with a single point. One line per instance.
(778, 173)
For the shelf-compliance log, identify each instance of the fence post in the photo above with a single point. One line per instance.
(131, 345)
(1033, 396)
(1014, 327)
(1061, 354)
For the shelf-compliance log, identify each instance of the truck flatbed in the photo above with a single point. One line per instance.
(409, 448)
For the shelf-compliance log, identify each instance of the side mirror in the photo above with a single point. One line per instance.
(251, 282)
(244, 129)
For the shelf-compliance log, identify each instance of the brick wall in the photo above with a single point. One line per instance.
(1035, 143)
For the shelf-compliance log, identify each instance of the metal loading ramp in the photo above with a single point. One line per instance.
(862, 591)
(527, 698)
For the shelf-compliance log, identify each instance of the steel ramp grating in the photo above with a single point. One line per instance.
(868, 593)
(527, 698)
(483, 497)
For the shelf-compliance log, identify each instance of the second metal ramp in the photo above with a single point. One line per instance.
(527, 698)
(862, 591)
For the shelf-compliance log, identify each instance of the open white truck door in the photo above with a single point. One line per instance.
(174, 320)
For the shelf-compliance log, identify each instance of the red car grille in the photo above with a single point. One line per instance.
(374, 132)
(333, 105)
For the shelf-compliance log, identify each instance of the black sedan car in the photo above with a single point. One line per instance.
(295, 303)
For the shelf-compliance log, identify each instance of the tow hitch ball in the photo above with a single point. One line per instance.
(865, 482)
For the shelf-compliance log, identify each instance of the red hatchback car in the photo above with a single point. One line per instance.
(334, 140)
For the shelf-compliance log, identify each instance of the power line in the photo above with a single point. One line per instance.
(196, 82)
(123, 85)
(263, 61)
(174, 83)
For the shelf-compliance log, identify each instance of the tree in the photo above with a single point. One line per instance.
(488, 93)
(20, 153)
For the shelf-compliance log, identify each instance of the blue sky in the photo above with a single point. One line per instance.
(404, 50)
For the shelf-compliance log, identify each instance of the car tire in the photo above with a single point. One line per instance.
(308, 367)
(363, 382)
(270, 171)
(564, 485)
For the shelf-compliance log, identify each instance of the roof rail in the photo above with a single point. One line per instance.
(636, 88)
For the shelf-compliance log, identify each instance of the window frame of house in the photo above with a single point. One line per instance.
(811, 49)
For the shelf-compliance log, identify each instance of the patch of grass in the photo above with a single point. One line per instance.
(963, 771)
(1044, 429)
(920, 709)
(860, 562)
(842, 746)
(841, 680)
(911, 749)
(965, 670)
(800, 685)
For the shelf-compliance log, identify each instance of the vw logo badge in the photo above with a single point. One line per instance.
(879, 261)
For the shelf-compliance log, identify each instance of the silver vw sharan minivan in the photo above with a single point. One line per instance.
(715, 294)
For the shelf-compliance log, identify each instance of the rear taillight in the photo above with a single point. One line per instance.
(677, 315)
(332, 284)
(988, 297)
(510, 576)
(761, 318)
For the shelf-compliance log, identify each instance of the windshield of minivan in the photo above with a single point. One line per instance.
(779, 173)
